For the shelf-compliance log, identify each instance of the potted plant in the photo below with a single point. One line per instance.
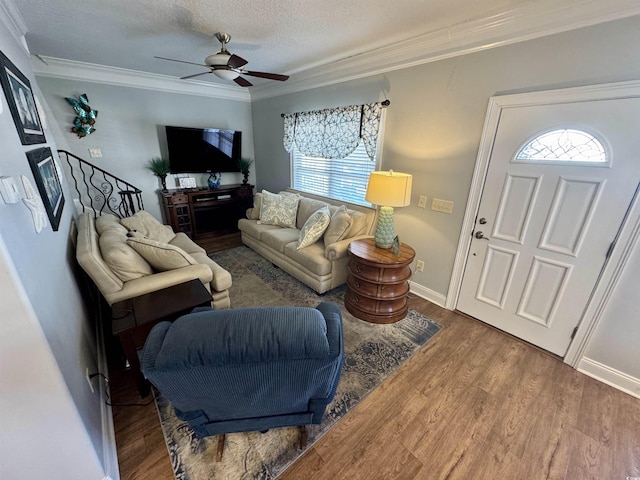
(244, 164)
(160, 168)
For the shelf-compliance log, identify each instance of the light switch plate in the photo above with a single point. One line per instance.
(9, 190)
(444, 206)
(95, 153)
(422, 201)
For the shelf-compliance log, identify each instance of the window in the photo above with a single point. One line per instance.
(342, 179)
(566, 145)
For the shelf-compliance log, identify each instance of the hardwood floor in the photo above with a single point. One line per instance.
(474, 403)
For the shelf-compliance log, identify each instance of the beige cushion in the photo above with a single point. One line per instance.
(146, 224)
(253, 228)
(306, 208)
(360, 224)
(108, 222)
(121, 258)
(280, 237)
(255, 211)
(339, 226)
(160, 256)
(314, 227)
(311, 258)
(181, 240)
(278, 209)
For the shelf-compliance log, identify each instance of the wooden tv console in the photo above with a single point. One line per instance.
(202, 212)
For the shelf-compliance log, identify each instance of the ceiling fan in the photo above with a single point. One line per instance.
(228, 66)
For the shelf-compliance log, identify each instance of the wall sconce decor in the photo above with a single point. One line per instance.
(86, 116)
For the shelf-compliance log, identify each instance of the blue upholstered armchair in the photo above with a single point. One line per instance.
(247, 369)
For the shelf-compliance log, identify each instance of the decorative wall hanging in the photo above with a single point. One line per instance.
(86, 116)
(334, 132)
(48, 182)
(17, 90)
(34, 203)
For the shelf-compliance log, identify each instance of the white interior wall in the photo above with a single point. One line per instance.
(51, 421)
(42, 434)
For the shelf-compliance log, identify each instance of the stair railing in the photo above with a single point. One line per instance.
(101, 192)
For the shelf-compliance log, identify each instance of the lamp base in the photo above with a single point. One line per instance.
(384, 231)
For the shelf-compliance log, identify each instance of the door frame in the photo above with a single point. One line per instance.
(627, 236)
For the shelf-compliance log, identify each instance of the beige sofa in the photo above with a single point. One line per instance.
(321, 265)
(138, 255)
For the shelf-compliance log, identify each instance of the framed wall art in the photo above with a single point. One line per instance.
(48, 182)
(21, 102)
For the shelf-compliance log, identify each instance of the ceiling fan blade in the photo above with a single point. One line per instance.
(236, 62)
(243, 82)
(270, 76)
(182, 61)
(194, 75)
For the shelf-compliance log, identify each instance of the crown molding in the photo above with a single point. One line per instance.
(44, 66)
(12, 18)
(519, 24)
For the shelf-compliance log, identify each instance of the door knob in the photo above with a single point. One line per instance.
(480, 236)
(482, 221)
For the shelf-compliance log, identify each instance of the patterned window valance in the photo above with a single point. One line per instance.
(334, 132)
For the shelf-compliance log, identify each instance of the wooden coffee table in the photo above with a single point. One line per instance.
(378, 281)
(133, 319)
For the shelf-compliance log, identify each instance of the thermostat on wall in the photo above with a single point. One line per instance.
(187, 182)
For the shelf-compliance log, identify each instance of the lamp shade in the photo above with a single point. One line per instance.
(390, 189)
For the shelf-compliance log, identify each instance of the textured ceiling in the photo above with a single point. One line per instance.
(279, 36)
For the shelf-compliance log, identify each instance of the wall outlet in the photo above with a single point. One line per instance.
(419, 266)
(86, 374)
(444, 206)
(422, 201)
(95, 153)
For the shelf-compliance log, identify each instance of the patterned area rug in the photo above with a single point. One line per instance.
(372, 352)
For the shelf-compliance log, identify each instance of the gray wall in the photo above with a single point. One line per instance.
(435, 121)
(47, 409)
(130, 128)
(616, 341)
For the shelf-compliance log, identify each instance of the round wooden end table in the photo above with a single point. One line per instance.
(378, 281)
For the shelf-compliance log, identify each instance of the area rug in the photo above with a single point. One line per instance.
(372, 353)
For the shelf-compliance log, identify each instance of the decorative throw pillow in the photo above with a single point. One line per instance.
(314, 227)
(339, 226)
(278, 210)
(107, 221)
(125, 263)
(160, 256)
(146, 224)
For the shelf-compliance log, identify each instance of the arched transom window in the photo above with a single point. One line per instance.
(564, 145)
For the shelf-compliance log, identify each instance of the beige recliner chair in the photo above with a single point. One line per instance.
(138, 255)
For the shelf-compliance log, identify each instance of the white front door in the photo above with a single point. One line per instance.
(549, 212)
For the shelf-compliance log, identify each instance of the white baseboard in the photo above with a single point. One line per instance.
(109, 450)
(428, 294)
(610, 376)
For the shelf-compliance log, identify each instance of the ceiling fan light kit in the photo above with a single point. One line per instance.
(228, 66)
(226, 74)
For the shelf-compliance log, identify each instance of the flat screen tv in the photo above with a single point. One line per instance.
(198, 150)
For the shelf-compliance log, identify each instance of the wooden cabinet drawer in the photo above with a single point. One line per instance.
(177, 199)
(381, 291)
(379, 274)
(373, 306)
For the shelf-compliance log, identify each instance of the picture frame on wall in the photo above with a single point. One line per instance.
(21, 102)
(47, 179)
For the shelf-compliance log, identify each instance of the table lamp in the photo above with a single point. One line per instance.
(388, 189)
